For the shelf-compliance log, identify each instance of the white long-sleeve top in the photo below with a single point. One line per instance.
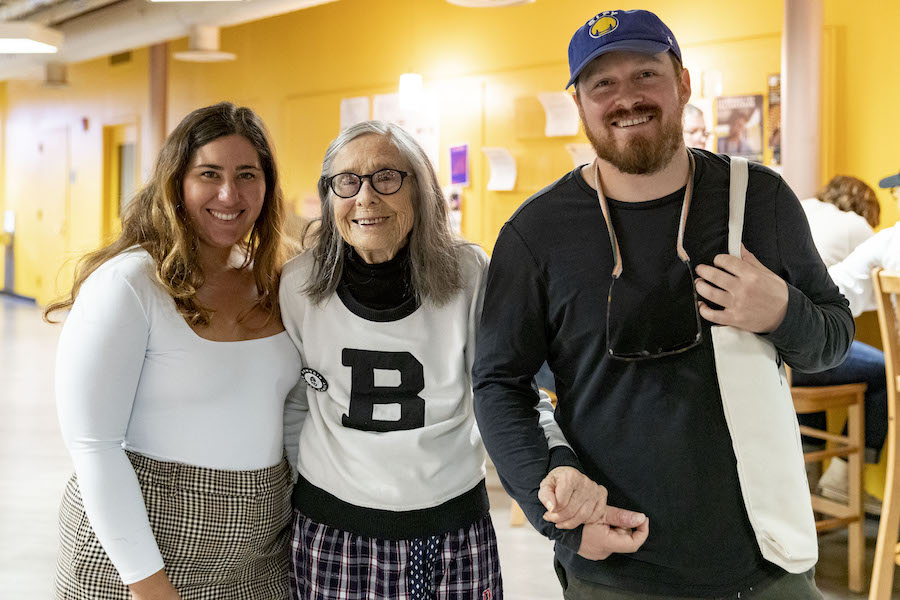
(131, 374)
(853, 275)
(836, 233)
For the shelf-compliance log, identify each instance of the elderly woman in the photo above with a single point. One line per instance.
(390, 501)
(172, 372)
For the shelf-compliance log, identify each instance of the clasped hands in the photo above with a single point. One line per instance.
(572, 499)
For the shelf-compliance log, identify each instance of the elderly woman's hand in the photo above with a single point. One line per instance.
(572, 499)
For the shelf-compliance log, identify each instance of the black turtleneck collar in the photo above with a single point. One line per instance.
(380, 287)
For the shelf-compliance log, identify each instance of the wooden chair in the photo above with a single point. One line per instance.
(887, 292)
(832, 514)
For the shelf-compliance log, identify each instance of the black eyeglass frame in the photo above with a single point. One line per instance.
(330, 181)
(618, 269)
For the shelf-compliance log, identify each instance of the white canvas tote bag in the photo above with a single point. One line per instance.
(763, 426)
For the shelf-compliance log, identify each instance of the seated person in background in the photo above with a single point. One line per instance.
(841, 218)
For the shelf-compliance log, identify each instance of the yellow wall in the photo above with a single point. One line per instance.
(294, 70)
(54, 156)
(867, 85)
(487, 66)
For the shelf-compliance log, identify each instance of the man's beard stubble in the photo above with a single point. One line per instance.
(643, 155)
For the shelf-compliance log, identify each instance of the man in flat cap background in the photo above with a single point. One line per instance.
(647, 503)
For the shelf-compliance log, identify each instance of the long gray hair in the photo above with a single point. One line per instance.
(433, 247)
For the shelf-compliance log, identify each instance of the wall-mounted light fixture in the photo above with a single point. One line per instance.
(28, 38)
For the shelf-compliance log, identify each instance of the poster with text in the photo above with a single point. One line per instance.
(739, 126)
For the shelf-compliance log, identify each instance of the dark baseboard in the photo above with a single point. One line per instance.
(16, 296)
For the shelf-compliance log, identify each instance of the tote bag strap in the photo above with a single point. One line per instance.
(736, 194)
(763, 426)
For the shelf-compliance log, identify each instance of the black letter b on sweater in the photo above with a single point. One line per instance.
(384, 408)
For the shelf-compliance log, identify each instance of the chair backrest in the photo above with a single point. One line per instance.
(887, 294)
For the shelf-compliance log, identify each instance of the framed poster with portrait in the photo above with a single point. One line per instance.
(739, 126)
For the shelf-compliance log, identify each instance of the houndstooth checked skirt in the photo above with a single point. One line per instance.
(223, 535)
(328, 563)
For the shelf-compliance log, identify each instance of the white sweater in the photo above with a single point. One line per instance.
(407, 440)
(131, 374)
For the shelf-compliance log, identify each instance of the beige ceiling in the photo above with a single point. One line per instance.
(95, 28)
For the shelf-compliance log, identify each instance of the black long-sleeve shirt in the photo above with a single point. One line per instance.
(653, 432)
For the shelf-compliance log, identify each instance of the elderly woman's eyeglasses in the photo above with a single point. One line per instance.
(385, 181)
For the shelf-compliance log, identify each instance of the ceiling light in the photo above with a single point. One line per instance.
(28, 38)
(56, 75)
(204, 46)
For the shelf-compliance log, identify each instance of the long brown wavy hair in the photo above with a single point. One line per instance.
(157, 221)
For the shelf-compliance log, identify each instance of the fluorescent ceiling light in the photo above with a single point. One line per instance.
(28, 38)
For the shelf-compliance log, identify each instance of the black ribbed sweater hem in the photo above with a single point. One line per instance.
(452, 515)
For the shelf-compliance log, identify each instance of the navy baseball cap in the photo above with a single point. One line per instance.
(634, 30)
(890, 182)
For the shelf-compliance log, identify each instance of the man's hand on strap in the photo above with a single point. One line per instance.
(752, 297)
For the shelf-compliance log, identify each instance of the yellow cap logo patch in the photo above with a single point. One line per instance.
(604, 25)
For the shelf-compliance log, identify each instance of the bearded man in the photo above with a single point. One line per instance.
(614, 275)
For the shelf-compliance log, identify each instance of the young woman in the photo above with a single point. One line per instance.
(172, 372)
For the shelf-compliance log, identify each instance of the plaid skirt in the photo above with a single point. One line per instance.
(223, 534)
(328, 563)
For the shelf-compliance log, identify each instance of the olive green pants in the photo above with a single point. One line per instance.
(785, 587)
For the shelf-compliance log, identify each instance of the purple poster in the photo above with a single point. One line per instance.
(459, 165)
